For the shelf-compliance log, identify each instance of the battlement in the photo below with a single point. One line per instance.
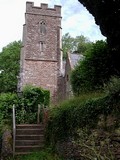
(43, 8)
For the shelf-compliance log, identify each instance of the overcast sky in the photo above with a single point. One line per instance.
(75, 19)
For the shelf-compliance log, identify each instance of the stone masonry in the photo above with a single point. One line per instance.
(41, 58)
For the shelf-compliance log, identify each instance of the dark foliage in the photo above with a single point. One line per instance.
(95, 69)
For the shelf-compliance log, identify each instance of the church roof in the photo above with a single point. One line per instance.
(74, 58)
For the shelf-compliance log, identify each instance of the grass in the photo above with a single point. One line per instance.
(75, 101)
(42, 155)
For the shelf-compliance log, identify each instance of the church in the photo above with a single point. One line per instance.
(41, 62)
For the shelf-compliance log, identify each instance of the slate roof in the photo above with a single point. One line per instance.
(75, 58)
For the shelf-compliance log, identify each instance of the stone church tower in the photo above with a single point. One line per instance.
(41, 60)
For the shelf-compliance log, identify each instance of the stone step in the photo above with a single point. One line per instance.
(29, 131)
(29, 126)
(22, 153)
(30, 137)
(28, 142)
(28, 148)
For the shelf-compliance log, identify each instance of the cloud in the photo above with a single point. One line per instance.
(75, 19)
(82, 24)
(78, 21)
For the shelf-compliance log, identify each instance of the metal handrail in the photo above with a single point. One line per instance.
(14, 130)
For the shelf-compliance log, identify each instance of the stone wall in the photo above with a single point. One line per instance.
(41, 73)
(6, 151)
(68, 69)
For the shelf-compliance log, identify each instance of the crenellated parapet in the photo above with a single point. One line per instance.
(43, 9)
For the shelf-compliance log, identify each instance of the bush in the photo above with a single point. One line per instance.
(94, 71)
(35, 95)
(67, 118)
(6, 103)
(112, 88)
(28, 105)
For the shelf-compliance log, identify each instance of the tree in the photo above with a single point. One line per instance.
(9, 67)
(79, 44)
(67, 44)
(82, 44)
(107, 16)
(95, 69)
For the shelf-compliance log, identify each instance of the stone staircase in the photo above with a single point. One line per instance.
(29, 138)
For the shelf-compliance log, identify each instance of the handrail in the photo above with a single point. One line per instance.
(38, 114)
(14, 130)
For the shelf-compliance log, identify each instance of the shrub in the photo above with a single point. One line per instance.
(112, 88)
(95, 70)
(28, 104)
(35, 95)
(67, 118)
(6, 103)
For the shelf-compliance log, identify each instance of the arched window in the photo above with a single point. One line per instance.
(43, 27)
